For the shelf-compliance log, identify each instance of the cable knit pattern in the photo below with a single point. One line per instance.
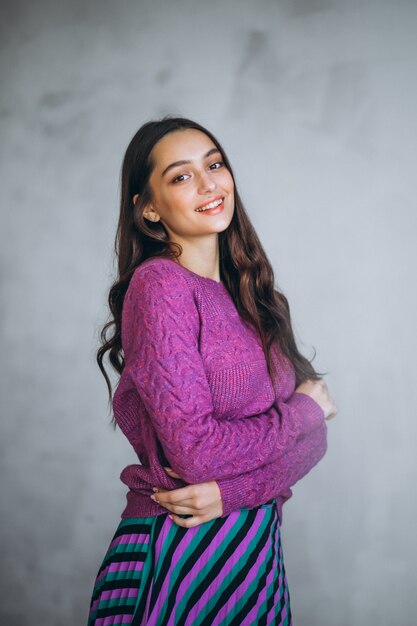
(195, 394)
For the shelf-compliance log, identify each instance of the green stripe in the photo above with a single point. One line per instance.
(128, 521)
(236, 573)
(125, 547)
(125, 575)
(108, 604)
(151, 570)
(203, 529)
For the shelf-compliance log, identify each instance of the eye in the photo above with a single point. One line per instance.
(220, 163)
(180, 177)
(176, 179)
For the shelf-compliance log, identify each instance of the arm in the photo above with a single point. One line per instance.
(168, 372)
(269, 481)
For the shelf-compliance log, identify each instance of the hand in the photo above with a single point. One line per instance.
(318, 390)
(202, 501)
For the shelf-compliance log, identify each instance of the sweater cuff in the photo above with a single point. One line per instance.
(310, 411)
(232, 493)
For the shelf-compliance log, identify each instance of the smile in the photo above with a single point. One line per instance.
(210, 206)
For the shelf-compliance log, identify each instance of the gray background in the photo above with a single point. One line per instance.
(315, 104)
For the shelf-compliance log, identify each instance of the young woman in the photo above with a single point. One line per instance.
(223, 411)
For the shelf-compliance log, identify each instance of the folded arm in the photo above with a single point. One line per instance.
(274, 479)
(168, 372)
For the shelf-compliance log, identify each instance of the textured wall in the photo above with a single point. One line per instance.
(315, 102)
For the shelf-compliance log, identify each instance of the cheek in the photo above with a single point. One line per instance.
(180, 204)
(228, 181)
(176, 199)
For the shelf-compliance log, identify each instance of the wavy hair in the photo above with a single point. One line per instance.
(244, 266)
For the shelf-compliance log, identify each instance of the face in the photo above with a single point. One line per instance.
(189, 172)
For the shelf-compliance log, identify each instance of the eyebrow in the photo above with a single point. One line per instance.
(184, 162)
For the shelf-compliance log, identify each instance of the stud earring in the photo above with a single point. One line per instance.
(152, 216)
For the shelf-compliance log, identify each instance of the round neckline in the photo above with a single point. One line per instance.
(210, 280)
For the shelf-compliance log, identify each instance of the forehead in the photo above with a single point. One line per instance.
(190, 144)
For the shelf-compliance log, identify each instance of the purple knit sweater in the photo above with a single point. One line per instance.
(195, 395)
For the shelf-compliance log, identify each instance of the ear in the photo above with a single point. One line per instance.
(148, 211)
(151, 214)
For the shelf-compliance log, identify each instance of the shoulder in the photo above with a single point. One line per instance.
(160, 301)
(160, 279)
(161, 273)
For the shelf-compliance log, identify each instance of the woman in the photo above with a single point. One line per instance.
(207, 398)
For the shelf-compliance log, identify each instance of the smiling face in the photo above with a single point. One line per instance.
(189, 173)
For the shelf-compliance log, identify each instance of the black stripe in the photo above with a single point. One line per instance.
(252, 599)
(275, 555)
(216, 570)
(141, 605)
(228, 592)
(120, 557)
(284, 587)
(276, 585)
(114, 610)
(180, 531)
(135, 528)
(204, 543)
(116, 584)
(283, 599)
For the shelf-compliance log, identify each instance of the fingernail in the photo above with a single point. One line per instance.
(154, 488)
(153, 498)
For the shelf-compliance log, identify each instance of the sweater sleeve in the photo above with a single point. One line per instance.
(274, 479)
(169, 374)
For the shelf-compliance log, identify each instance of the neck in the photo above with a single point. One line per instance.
(202, 259)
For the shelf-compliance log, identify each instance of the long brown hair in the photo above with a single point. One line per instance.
(244, 266)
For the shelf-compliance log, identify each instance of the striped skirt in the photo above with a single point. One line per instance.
(228, 571)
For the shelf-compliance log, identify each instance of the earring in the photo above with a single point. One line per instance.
(153, 218)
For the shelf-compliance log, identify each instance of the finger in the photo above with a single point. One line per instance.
(183, 496)
(187, 522)
(171, 472)
(334, 407)
(331, 415)
(179, 509)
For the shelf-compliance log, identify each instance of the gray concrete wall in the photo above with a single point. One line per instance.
(315, 102)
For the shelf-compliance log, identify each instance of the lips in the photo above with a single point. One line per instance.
(210, 201)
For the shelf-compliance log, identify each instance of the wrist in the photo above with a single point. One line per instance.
(232, 493)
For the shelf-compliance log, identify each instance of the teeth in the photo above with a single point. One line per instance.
(212, 205)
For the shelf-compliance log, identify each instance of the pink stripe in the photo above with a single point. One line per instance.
(262, 598)
(275, 569)
(111, 619)
(179, 553)
(226, 570)
(135, 566)
(101, 575)
(129, 538)
(282, 586)
(251, 617)
(196, 569)
(152, 620)
(112, 594)
(284, 610)
(126, 566)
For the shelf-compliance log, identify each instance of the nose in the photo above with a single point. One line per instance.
(206, 182)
